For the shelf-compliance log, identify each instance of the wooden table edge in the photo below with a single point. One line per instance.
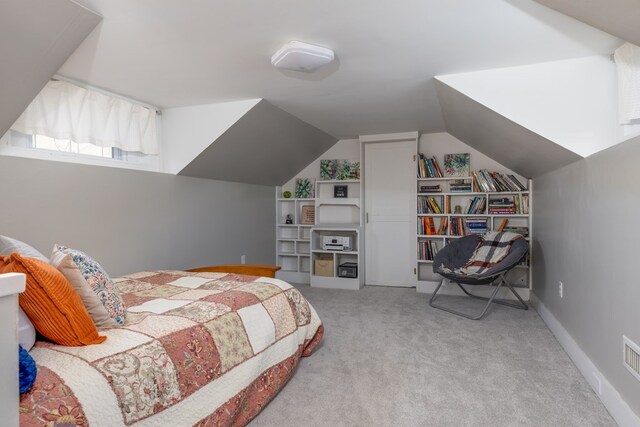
(248, 269)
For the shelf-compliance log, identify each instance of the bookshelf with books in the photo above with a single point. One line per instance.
(478, 201)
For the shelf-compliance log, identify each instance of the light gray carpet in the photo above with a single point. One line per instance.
(388, 359)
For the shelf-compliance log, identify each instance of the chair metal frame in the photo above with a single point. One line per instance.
(492, 299)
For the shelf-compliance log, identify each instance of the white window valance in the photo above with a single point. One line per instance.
(627, 59)
(65, 111)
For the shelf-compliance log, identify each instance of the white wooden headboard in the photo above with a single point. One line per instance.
(10, 286)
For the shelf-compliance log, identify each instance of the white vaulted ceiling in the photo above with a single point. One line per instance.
(178, 53)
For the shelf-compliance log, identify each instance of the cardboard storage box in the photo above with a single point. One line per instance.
(324, 266)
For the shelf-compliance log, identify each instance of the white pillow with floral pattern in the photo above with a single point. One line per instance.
(90, 280)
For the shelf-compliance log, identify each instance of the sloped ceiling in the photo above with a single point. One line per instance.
(618, 17)
(37, 38)
(494, 135)
(381, 82)
(191, 52)
(572, 102)
(187, 131)
(266, 146)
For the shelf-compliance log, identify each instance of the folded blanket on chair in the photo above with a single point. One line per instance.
(493, 248)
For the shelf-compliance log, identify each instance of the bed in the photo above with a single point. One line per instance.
(197, 349)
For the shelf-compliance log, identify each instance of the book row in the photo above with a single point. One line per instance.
(517, 204)
(432, 204)
(464, 226)
(455, 186)
(495, 182)
(480, 181)
(428, 167)
(427, 250)
(453, 226)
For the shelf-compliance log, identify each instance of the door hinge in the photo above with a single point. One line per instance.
(414, 157)
(415, 270)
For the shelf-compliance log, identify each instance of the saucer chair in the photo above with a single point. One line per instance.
(456, 254)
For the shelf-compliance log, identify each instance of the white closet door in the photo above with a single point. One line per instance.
(390, 186)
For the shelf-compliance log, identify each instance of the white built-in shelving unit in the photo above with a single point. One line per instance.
(298, 245)
(337, 216)
(293, 241)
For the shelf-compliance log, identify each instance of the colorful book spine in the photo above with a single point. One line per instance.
(437, 166)
(427, 250)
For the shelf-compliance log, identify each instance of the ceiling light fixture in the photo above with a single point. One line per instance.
(300, 56)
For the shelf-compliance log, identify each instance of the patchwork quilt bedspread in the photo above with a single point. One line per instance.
(201, 349)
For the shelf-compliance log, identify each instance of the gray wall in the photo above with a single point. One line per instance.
(133, 220)
(587, 226)
(263, 132)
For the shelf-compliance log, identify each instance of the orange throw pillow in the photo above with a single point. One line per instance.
(51, 303)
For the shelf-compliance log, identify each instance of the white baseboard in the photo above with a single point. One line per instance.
(615, 404)
(427, 287)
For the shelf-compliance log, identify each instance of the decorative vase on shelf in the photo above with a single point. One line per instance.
(286, 194)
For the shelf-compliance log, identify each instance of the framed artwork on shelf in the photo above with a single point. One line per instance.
(340, 191)
(305, 188)
(308, 215)
(457, 164)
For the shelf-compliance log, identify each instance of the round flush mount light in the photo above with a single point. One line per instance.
(300, 56)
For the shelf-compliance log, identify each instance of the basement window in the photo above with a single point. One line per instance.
(43, 142)
(81, 124)
(18, 144)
